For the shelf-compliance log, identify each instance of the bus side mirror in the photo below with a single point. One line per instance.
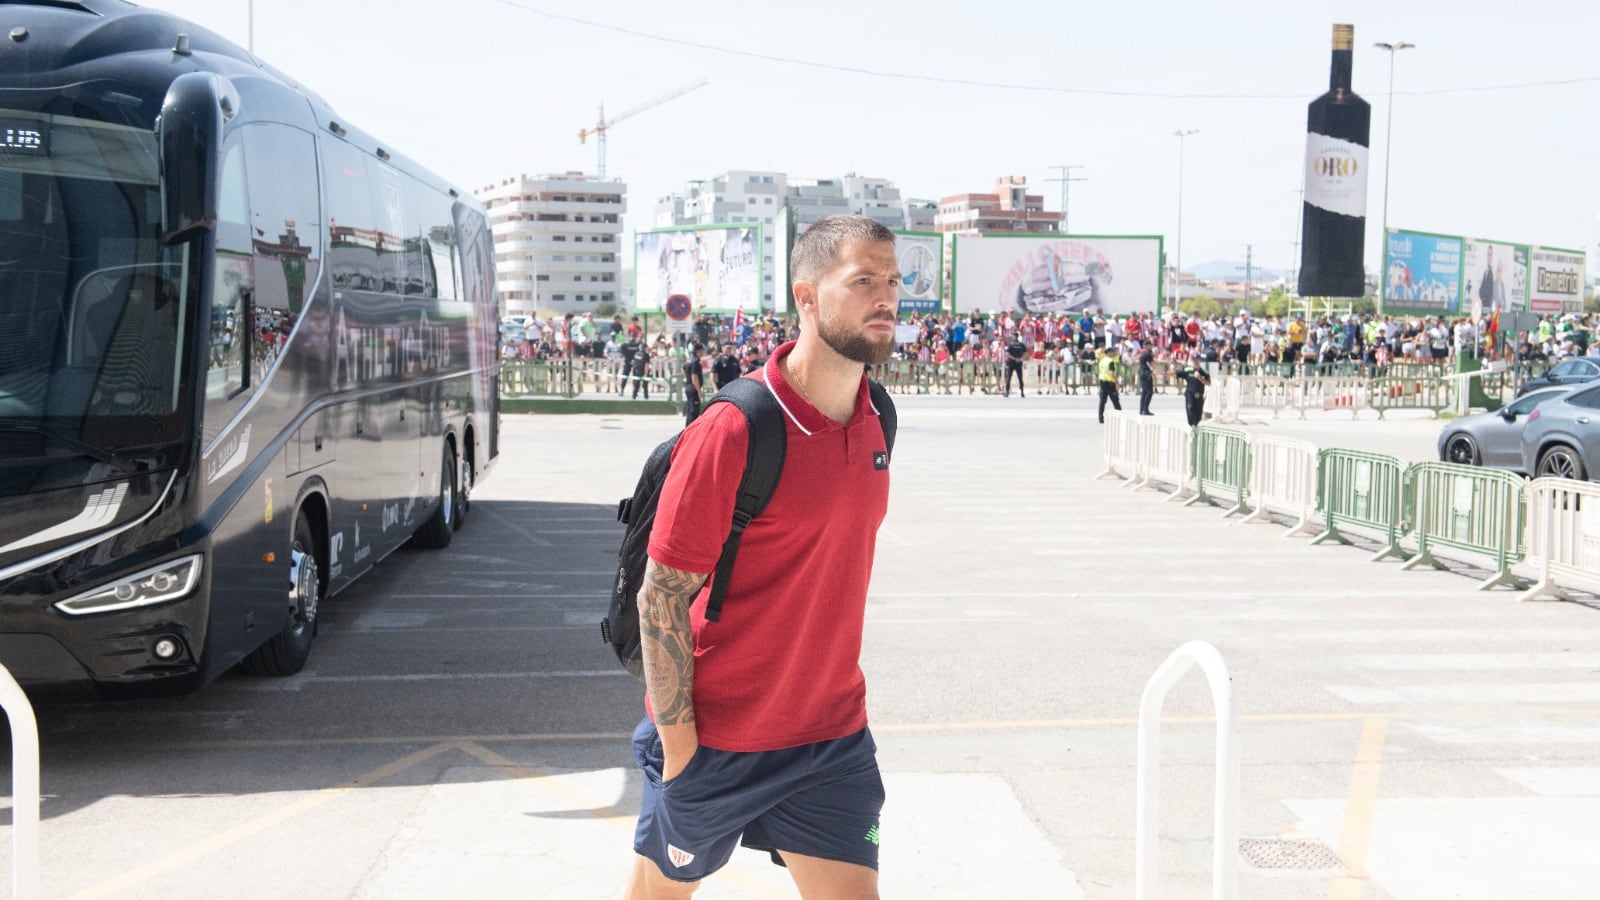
(190, 131)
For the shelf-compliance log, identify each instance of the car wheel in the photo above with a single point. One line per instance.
(1561, 461)
(285, 653)
(1461, 449)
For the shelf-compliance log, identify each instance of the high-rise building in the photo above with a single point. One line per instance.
(771, 197)
(1010, 209)
(557, 241)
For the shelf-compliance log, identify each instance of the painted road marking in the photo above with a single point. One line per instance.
(1356, 833)
(1558, 692)
(257, 825)
(1412, 662)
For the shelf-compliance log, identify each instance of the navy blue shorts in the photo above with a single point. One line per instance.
(817, 800)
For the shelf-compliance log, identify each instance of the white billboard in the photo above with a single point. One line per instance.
(1057, 274)
(1557, 282)
(1494, 275)
(718, 267)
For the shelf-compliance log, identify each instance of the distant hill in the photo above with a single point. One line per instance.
(1231, 270)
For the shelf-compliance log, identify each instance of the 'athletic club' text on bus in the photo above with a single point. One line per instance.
(245, 353)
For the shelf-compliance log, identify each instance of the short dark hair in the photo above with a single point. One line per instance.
(817, 251)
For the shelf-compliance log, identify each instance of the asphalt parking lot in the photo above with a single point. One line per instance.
(462, 732)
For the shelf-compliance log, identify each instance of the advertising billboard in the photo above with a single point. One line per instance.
(718, 267)
(921, 256)
(1055, 274)
(1422, 273)
(1494, 275)
(1557, 283)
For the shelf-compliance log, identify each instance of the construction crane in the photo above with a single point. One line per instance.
(602, 123)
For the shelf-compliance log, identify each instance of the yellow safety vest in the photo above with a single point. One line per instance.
(1107, 367)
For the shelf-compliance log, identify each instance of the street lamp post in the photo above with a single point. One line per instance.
(1177, 268)
(1393, 48)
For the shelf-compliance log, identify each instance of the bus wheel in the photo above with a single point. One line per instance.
(464, 495)
(435, 533)
(285, 653)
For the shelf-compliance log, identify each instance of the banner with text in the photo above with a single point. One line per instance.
(1423, 273)
(1558, 277)
(718, 267)
(1057, 274)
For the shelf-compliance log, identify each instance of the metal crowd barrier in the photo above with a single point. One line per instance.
(24, 788)
(1470, 509)
(1362, 490)
(1122, 436)
(1225, 798)
(1164, 456)
(1563, 542)
(1220, 464)
(1433, 393)
(579, 376)
(1283, 479)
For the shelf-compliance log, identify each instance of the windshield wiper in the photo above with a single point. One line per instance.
(93, 451)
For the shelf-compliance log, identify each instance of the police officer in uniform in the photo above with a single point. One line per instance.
(1106, 368)
(1015, 352)
(1195, 381)
(1147, 380)
(693, 377)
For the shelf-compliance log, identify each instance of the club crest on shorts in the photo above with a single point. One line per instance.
(680, 858)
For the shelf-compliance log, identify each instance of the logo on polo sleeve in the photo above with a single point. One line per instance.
(880, 460)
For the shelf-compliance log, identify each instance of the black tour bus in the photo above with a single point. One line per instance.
(246, 351)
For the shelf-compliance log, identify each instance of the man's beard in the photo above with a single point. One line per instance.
(861, 348)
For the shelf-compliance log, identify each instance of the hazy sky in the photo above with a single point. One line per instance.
(481, 90)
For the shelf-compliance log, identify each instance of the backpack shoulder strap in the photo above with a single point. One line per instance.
(884, 404)
(762, 469)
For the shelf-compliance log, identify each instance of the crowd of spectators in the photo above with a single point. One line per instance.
(1245, 339)
(1059, 343)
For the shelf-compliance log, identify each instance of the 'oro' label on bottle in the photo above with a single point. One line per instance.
(1336, 175)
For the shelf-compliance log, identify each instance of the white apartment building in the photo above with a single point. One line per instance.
(769, 198)
(557, 241)
(735, 196)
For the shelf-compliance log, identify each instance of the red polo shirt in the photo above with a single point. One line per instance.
(782, 666)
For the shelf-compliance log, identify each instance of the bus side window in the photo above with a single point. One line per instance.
(233, 283)
(287, 222)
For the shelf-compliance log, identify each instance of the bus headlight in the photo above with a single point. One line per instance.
(168, 581)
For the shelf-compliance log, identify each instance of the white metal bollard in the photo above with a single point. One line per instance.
(1225, 849)
(24, 788)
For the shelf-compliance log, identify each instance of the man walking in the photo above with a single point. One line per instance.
(756, 725)
(1106, 368)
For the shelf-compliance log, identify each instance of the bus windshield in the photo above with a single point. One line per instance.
(91, 303)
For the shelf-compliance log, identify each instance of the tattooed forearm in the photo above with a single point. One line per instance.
(668, 641)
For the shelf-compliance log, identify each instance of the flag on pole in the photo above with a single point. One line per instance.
(738, 324)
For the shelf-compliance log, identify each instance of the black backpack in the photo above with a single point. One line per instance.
(763, 466)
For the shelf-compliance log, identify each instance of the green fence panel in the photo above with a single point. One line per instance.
(1220, 463)
(1471, 509)
(1362, 490)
